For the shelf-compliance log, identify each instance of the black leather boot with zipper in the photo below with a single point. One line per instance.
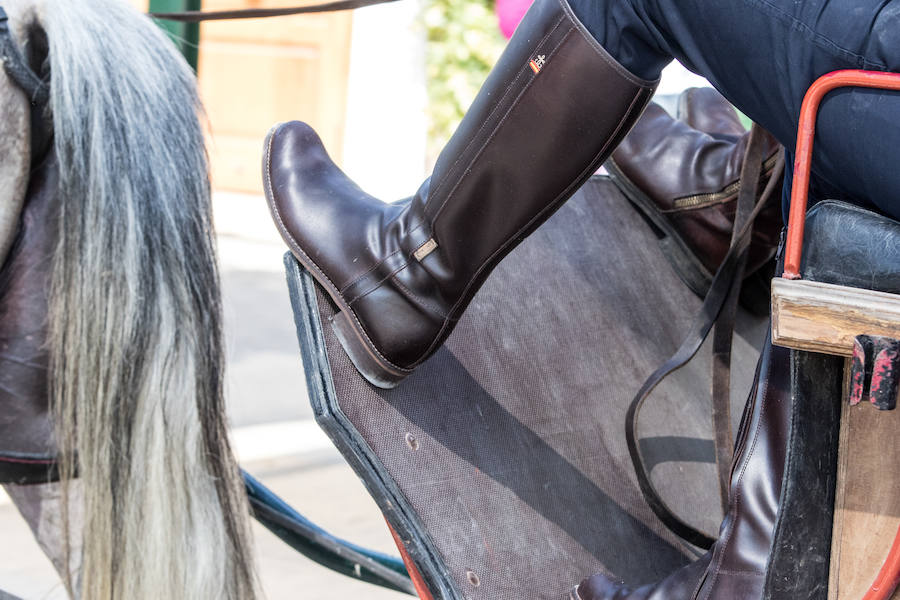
(551, 111)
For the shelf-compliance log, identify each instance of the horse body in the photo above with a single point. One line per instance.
(14, 140)
(132, 337)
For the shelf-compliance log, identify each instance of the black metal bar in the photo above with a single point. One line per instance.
(185, 35)
(322, 547)
(196, 16)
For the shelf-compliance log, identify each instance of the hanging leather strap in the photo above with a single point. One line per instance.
(719, 292)
(723, 331)
(196, 16)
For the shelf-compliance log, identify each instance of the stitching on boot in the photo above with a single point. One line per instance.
(379, 262)
(552, 205)
(411, 296)
(497, 106)
(493, 133)
(369, 270)
(484, 145)
(720, 550)
(790, 457)
(603, 52)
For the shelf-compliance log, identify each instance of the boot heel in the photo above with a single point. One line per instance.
(371, 366)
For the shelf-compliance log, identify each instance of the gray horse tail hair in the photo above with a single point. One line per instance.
(135, 316)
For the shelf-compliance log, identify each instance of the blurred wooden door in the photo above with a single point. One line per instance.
(258, 72)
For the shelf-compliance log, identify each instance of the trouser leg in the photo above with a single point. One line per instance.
(763, 55)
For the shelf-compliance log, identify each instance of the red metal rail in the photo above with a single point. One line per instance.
(888, 578)
(803, 157)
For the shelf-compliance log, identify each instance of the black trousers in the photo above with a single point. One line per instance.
(763, 55)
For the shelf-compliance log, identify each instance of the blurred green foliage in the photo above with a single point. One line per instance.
(463, 42)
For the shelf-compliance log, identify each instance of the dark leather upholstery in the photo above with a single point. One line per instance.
(843, 245)
(848, 245)
(527, 143)
(27, 449)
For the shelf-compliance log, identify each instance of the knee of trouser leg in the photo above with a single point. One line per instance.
(883, 48)
(624, 29)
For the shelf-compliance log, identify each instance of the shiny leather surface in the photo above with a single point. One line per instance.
(26, 432)
(740, 556)
(735, 568)
(706, 110)
(683, 583)
(691, 179)
(848, 245)
(527, 143)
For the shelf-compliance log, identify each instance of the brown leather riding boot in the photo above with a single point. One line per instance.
(686, 183)
(706, 110)
(401, 274)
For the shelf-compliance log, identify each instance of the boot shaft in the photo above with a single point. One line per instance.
(549, 114)
(553, 108)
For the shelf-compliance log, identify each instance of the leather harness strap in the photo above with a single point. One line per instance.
(720, 289)
(196, 16)
(17, 68)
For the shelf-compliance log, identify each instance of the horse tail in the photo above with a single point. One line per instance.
(135, 316)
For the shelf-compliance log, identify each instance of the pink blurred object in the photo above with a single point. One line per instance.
(509, 13)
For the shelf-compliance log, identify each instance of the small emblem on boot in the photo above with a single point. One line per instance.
(425, 249)
(537, 63)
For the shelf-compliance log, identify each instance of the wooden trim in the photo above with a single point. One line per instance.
(822, 317)
(866, 532)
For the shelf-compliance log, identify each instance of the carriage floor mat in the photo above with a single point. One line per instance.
(501, 462)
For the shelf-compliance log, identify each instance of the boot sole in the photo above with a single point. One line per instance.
(353, 339)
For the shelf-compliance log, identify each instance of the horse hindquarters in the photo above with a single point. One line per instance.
(134, 344)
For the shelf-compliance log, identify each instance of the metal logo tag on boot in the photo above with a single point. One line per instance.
(425, 249)
(537, 63)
